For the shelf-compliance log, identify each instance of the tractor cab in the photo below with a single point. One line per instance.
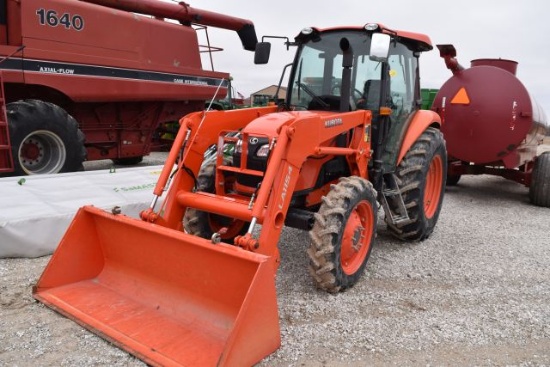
(383, 77)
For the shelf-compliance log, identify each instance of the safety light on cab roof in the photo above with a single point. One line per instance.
(307, 31)
(371, 26)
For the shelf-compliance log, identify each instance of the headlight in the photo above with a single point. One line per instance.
(263, 151)
(239, 146)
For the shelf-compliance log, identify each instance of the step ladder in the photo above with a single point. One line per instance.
(392, 192)
(6, 158)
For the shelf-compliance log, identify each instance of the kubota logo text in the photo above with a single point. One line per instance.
(285, 187)
(333, 122)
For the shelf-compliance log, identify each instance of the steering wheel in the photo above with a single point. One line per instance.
(356, 94)
(358, 98)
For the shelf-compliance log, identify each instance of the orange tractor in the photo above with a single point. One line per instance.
(192, 283)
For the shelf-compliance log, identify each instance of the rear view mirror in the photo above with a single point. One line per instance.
(261, 53)
(379, 47)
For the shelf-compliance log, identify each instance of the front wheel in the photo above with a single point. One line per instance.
(421, 177)
(45, 138)
(539, 190)
(343, 234)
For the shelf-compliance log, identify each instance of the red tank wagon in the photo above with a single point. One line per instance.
(493, 125)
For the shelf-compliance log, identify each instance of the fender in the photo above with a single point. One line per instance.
(420, 122)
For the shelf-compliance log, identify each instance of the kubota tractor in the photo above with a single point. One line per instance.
(192, 283)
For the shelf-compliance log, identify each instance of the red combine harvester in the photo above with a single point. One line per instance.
(94, 79)
(493, 125)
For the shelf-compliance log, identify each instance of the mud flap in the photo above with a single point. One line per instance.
(167, 297)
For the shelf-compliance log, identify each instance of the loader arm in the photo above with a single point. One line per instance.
(305, 138)
(298, 136)
(194, 146)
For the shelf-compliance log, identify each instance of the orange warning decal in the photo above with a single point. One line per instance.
(461, 97)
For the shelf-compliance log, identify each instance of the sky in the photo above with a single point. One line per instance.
(507, 29)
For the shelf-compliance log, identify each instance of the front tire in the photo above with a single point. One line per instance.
(539, 190)
(343, 234)
(421, 177)
(45, 138)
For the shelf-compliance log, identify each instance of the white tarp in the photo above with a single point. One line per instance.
(35, 214)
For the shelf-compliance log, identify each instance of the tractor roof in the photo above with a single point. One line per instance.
(417, 41)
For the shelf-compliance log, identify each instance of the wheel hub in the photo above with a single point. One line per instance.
(357, 236)
(42, 151)
(31, 150)
(355, 243)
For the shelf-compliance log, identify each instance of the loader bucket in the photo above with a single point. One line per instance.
(167, 297)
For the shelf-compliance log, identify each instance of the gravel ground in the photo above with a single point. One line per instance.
(477, 292)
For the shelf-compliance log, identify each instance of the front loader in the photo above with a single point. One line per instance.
(192, 282)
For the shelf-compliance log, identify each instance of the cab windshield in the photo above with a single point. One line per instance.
(317, 79)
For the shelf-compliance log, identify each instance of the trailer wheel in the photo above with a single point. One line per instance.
(452, 180)
(343, 234)
(539, 190)
(44, 138)
(421, 177)
(203, 224)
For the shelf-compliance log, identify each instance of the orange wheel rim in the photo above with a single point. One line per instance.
(434, 183)
(356, 239)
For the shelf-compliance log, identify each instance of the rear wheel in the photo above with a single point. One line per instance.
(421, 178)
(203, 224)
(44, 138)
(539, 190)
(343, 234)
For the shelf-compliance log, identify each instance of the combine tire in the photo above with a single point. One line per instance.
(343, 234)
(44, 138)
(539, 190)
(203, 224)
(421, 178)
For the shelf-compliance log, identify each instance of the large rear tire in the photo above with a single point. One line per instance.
(539, 190)
(203, 224)
(421, 178)
(343, 234)
(45, 138)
